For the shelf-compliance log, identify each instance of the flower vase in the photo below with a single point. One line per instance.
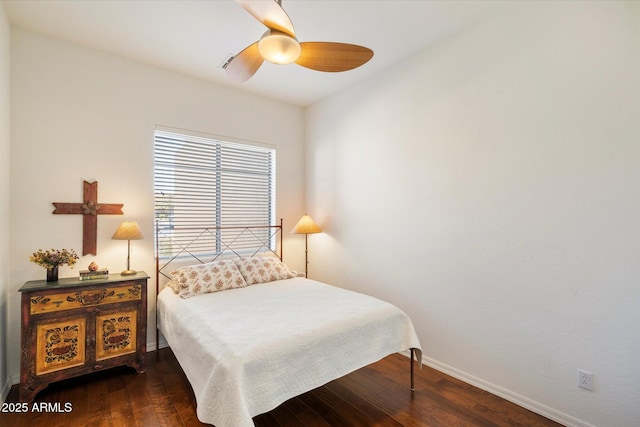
(52, 274)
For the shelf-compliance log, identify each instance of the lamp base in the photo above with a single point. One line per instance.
(128, 272)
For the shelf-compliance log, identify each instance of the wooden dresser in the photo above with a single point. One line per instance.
(72, 327)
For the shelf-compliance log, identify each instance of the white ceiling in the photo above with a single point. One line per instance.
(196, 37)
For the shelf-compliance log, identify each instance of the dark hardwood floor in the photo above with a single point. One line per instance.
(377, 395)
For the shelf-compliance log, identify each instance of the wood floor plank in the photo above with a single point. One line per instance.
(376, 395)
(367, 413)
(305, 416)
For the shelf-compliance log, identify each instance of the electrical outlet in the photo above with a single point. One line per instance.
(585, 380)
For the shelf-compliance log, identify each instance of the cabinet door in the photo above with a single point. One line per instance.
(60, 344)
(116, 333)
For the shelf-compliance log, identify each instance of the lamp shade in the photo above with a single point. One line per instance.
(128, 230)
(306, 226)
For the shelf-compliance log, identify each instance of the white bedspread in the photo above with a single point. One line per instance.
(245, 351)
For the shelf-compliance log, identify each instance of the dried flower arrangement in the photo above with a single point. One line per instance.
(54, 258)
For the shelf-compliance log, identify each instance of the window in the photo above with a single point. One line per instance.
(203, 183)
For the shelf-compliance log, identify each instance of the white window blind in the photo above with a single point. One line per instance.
(202, 184)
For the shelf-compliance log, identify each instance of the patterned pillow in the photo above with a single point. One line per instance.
(263, 269)
(206, 278)
(173, 285)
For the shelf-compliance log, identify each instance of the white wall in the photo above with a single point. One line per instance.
(4, 197)
(489, 187)
(79, 114)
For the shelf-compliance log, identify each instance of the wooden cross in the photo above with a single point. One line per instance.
(89, 209)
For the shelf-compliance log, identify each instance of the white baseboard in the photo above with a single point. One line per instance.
(151, 345)
(519, 400)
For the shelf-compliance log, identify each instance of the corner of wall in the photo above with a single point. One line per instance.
(5, 28)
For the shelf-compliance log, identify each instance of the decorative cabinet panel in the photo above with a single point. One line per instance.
(60, 345)
(115, 334)
(72, 327)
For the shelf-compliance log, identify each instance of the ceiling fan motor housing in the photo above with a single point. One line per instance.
(278, 47)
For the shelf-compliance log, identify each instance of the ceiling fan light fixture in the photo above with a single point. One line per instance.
(279, 48)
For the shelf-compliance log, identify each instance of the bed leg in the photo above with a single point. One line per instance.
(413, 353)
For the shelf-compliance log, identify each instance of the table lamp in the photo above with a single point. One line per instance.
(128, 230)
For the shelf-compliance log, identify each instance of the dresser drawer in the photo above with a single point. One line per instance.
(83, 298)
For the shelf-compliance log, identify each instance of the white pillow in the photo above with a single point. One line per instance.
(263, 269)
(206, 278)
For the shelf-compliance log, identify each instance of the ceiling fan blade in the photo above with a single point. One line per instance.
(270, 14)
(241, 67)
(333, 57)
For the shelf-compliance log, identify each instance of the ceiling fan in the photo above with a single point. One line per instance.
(280, 46)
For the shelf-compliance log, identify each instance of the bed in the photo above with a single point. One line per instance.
(246, 347)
